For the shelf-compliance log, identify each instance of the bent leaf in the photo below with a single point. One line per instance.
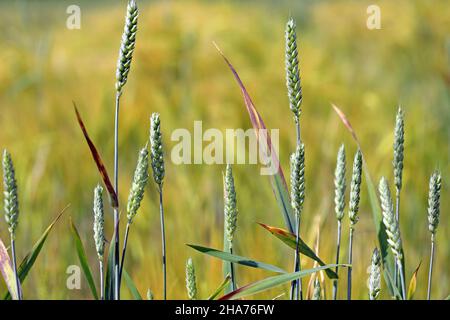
(83, 259)
(236, 259)
(7, 271)
(386, 254)
(220, 288)
(274, 281)
(278, 182)
(413, 283)
(28, 262)
(98, 161)
(291, 240)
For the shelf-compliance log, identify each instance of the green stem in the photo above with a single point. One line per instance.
(163, 241)
(124, 250)
(431, 267)
(13, 253)
(338, 249)
(102, 291)
(397, 217)
(349, 273)
(116, 210)
(402, 278)
(233, 274)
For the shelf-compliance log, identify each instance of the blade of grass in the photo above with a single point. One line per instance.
(271, 282)
(8, 272)
(98, 161)
(28, 262)
(222, 286)
(83, 259)
(131, 286)
(278, 182)
(388, 259)
(413, 283)
(291, 240)
(236, 259)
(109, 292)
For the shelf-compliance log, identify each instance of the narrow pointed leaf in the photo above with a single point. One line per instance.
(7, 271)
(109, 293)
(131, 286)
(278, 182)
(220, 288)
(98, 161)
(386, 254)
(413, 283)
(274, 281)
(28, 262)
(291, 240)
(236, 259)
(83, 260)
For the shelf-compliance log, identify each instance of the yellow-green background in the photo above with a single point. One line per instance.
(177, 72)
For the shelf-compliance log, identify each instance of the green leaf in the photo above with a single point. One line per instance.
(413, 283)
(7, 271)
(236, 259)
(220, 288)
(109, 293)
(386, 254)
(277, 180)
(131, 286)
(291, 240)
(274, 281)
(83, 259)
(28, 262)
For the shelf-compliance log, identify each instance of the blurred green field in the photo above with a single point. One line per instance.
(177, 72)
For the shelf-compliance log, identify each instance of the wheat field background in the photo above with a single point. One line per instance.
(177, 72)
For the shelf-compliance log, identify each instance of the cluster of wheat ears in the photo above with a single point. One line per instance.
(387, 260)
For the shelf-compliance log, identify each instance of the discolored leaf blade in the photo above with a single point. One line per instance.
(7, 271)
(413, 283)
(83, 259)
(29, 260)
(278, 182)
(98, 161)
(291, 240)
(236, 259)
(222, 286)
(274, 281)
(386, 254)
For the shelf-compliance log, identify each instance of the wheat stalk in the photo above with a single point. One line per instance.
(355, 191)
(339, 201)
(123, 68)
(135, 198)
(191, 285)
(11, 207)
(375, 275)
(99, 232)
(157, 161)
(297, 200)
(433, 218)
(392, 229)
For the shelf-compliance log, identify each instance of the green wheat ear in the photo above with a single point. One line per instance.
(375, 275)
(292, 72)
(138, 186)
(191, 284)
(399, 140)
(298, 179)
(157, 155)
(355, 189)
(99, 220)
(434, 202)
(11, 200)
(340, 184)
(127, 46)
(231, 211)
(149, 294)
